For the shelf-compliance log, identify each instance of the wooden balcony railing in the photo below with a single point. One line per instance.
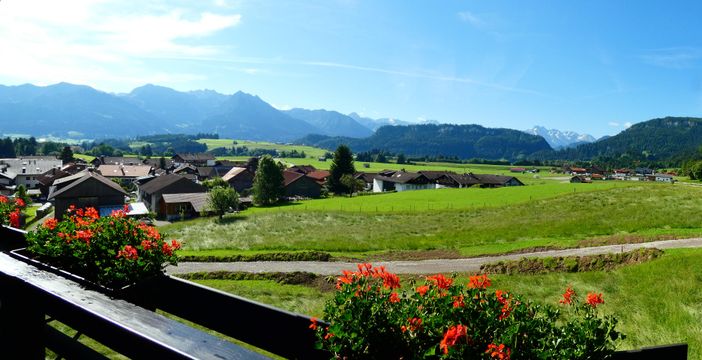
(31, 298)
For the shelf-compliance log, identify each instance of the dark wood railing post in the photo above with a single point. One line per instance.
(22, 322)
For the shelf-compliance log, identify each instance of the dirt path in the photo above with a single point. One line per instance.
(422, 266)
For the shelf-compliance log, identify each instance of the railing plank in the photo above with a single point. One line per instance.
(668, 352)
(118, 324)
(240, 318)
(67, 347)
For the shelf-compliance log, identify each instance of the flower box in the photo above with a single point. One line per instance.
(108, 253)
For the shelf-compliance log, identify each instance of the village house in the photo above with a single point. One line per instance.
(367, 179)
(401, 181)
(185, 205)
(124, 173)
(666, 178)
(152, 192)
(115, 160)
(86, 189)
(296, 184)
(199, 159)
(25, 170)
(47, 179)
(320, 176)
(239, 178)
(187, 171)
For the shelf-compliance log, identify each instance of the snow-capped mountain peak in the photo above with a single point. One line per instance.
(560, 139)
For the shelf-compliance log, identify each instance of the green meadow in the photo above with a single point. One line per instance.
(500, 223)
(657, 303)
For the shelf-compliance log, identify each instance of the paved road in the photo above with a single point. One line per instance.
(418, 267)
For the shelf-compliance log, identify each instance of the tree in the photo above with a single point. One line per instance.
(401, 159)
(221, 199)
(268, 182)
(341, 164)
(215, 182)
(66, 154)
(352, 184)
(146, 151)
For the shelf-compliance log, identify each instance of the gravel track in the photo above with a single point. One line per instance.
(420, 266)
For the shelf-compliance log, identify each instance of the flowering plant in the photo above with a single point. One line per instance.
(370, 317)
(112, 251)
(10, 211)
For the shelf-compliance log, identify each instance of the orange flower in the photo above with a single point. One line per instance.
(394, 298)
(479, 282)
(92, 213)
(594, 299)
(498, 351)
(50, 223)
(452, 336)
(423, 289)
(3, 199)
(567, 296)
(313, 325)
(506, 310)
(441, 281)
(84, 235)
(390, 280)
(129, 253)
(458, 301)
(15, 219)
(175, 244)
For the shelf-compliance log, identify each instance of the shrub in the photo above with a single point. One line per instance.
(112, 251)
(369, 317)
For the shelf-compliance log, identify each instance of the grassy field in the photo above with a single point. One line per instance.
(442, 199)
(228, 143)
(659, 302)
(621, 214)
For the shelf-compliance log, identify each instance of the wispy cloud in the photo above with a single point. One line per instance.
(91, 41)
(425, 75)
(472, 19)
(674, 57)
(616, 124)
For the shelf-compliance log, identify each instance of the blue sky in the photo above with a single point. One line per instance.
(590, 66)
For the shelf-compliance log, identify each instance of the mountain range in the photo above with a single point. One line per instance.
(462, 141)
(561, 139)
(67, 110)
(668, 140)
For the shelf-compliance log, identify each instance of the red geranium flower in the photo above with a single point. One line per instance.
(479, 282)
(423, 289)
(498, 351)
(567, 296)
(594, 299)
(50, 223)
(453, 335)
(441, 281)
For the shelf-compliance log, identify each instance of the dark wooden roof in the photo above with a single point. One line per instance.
(194, 157)
(173, 183)
(105, 183)
(303, 169)
(290, 177)
(402, 177)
